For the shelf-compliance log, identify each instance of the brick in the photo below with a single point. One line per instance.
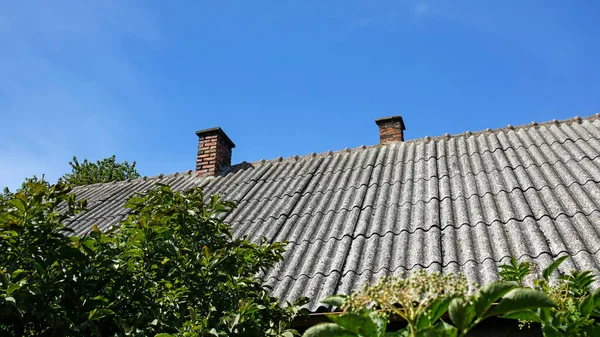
(214, 153)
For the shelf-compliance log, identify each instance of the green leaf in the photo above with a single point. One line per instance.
(433, 312)
(461, 313)
(164, 334)
(38, 267)
(97, 314)
(579, 282)
(441, 329)
(525, 315)
(587, 305)
(515, 271)
(550, 331)
(521, 299)
(11, 288)
(232, 321)
(596, 297)
(592, 330)
(328, 330)
(548, 271)
(335, 300)
(18, 204)
(380, 322)
(362, 325)
(544, 314)
(489, 294)
(100, 299)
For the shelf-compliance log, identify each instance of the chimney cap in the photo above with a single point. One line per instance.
(391, 119)
(215, 131)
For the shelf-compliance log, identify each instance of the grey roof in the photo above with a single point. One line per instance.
(463, 203)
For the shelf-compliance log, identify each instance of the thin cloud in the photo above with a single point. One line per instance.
(385, 18)
(420, 9)
(392, 14)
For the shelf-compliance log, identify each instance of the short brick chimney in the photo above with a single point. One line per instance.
(214, 152)
(391, 129)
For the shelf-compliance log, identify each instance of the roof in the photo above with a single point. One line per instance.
(463, 203)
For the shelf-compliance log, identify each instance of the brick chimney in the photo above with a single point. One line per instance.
(214, 152)
(391, 129)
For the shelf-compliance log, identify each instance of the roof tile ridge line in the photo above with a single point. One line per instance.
(314, 155)
(385, 154)
(426, 139)
(458, 156)
(567, 121)
(424, 201)
(426, 179)
(272, 240)
(441, 228)
(375, 271)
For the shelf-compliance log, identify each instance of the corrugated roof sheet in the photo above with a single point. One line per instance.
(463, 203)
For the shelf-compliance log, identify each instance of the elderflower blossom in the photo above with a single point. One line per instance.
(418, 291)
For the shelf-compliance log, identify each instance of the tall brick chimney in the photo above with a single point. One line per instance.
(391, 129)
(214, 152)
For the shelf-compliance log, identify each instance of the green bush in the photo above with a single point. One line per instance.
(438, 305)
(577, 307)
(101, 171)
(172, 268)
(421, 301)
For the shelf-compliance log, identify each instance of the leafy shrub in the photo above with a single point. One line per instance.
(422, 300)
(564, 308)
(172, 268)
(101, 171)
(577, 307)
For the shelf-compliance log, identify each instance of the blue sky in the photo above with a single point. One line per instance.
(136, 79)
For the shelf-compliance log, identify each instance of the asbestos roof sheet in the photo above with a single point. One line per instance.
(464, 203)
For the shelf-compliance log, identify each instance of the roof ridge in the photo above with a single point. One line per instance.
(509, 127)
(245, 164)
(427, 139)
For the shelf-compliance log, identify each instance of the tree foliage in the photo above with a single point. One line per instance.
(102, 171)
(33, 181)
(172, 268)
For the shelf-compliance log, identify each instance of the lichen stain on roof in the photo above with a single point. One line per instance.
(464, 203)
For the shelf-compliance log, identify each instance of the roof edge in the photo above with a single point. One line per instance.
(575, 119)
